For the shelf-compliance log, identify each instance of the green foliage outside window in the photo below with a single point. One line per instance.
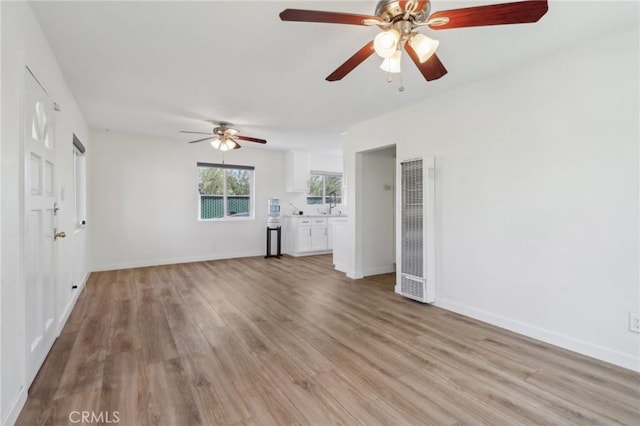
(224, 187)
(322, 186)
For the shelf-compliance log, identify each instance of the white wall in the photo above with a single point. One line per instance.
(144, 205)
(23, 44)
(377, 200)
(537, 189)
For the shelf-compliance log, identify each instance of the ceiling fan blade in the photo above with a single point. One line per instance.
(237, 145)
(301, 15)
(431, 69)
(352, 62)
(496, 14)
(197, 133)
(248, 139)
(204, 139)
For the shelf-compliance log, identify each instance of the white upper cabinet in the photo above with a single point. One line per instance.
(297, 163)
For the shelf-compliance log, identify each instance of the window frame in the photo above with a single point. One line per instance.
(324, 187)
(79, 184)
(252, 195)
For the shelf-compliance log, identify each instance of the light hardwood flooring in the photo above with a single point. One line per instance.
(291, 341)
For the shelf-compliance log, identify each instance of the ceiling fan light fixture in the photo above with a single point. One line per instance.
(224, 144)
(392, 63)
(386, 43)
(216, 143)
(424, 46)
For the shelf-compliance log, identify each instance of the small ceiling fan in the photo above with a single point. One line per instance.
(224, 137)
(399, 19)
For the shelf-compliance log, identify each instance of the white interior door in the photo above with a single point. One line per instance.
(40, 224)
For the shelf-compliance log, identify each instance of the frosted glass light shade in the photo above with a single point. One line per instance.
(216, 143)
(392, 63)
(386, 42)
(224, 144)
(423, 46)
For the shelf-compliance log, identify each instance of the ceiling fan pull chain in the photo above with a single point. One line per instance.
(401, 88)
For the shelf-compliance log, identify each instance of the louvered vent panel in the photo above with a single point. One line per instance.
(412, 288)
(412, 218)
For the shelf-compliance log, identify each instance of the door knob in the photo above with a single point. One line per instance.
(58, 234)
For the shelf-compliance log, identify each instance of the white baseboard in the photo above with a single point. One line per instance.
(340, 267)
(311, 253)
(158, 262)
(62, 320)
(16, 408)
(354, 275)
(384, 269)
(566, 342)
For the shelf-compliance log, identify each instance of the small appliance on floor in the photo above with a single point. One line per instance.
(273, 224)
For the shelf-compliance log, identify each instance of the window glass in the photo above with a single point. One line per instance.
(316, 189)
(324, 188)
(333, 187)
(225, 191)
(40, 129)
(238, 192)
(79, 188)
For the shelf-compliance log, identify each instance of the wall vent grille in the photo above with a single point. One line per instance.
(412, 230)
(413, 287)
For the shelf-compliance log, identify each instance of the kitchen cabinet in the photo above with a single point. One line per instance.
(319, 238)
(306, 235)
(302, 232)
(297, 171)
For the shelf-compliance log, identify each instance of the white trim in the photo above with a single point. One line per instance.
(62, 321)
(16, 409)
(566, 342)
(228, 219)
(340, 267)
(309, 253)
(158, 262)
(354, 276)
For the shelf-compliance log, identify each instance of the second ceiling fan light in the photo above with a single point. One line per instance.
(424, 46)
(392, 63)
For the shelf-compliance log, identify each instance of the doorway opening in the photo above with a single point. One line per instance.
(376, 214)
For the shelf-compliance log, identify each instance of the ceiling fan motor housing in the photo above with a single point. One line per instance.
(390, 11)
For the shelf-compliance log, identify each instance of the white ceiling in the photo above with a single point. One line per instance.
(159, 67)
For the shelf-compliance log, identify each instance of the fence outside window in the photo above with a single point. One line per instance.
(212, 206)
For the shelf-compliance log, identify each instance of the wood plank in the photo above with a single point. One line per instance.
(84, 368)
(120, 386)
(170, 398)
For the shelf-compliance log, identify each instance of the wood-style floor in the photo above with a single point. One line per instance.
(291, 341)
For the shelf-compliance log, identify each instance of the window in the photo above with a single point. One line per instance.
(323, 186)
(225, 191)
(79, 186)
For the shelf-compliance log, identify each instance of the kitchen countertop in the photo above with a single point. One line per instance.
(315, 215)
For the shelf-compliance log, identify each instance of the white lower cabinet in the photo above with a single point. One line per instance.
(319, 238)
(303, 239)
(306, 235)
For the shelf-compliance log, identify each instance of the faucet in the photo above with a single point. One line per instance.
(333, 201)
